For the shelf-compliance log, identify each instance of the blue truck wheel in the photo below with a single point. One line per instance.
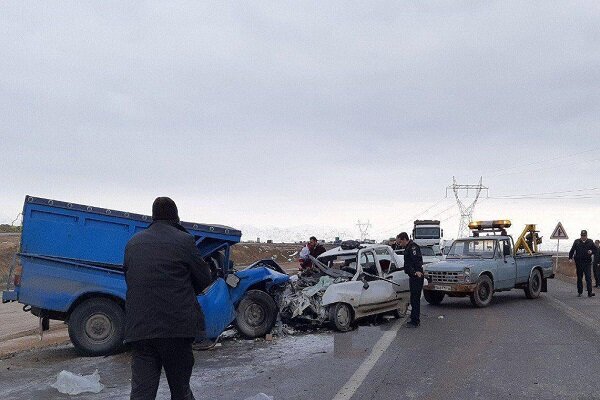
(256, 314)
(96, 327)
(534, 285)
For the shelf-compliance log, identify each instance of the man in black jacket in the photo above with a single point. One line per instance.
(597, 263)
(164, 271)
(413, 267)
(582, 251)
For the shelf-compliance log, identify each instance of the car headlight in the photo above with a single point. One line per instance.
(467, 274)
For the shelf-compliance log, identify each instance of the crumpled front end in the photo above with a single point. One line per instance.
(302, 299)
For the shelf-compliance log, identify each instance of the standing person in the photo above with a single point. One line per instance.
(597, 264)
(316, 249)
(582, 251)
(413, 267)
(164, 271)
(312, 248)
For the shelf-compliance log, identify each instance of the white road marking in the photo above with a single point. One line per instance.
(575, 315)
(348, 390)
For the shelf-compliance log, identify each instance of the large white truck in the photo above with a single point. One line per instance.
(428, 233)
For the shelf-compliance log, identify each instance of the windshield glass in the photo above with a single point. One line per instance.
(427, 233)
(483, 248)
(339, 261)
(427, 251)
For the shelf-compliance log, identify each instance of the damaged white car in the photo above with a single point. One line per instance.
(348, 283)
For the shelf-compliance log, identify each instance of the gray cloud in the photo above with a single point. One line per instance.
(241, 101)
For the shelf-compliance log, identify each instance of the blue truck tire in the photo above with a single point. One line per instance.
(256, 314)
(97, 326)
(534, 285)
(482, 296)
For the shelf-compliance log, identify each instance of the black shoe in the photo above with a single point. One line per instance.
(578, 294)
(412, 324)
(591, 294)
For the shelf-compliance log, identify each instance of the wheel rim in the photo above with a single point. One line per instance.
(343, 316)
(483, 291)
(255, 314)
(98, 327)
(535, 283)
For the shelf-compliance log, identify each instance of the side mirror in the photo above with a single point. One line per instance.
(232, 280)
(365, 283)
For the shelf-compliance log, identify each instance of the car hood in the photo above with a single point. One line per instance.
(449, 265)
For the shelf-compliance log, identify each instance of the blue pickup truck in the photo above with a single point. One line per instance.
(71, 258)
(479, 266)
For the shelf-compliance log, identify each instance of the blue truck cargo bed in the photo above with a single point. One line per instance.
(72, 257)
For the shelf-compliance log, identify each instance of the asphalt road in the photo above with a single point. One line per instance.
(516, 348)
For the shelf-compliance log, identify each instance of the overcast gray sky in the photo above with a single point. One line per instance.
(289, 114)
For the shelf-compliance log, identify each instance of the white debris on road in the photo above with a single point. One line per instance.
(260, 396)
(72, 384)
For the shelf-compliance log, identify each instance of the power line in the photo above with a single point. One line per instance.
(395, 226)
(520, 168)
(573, 194)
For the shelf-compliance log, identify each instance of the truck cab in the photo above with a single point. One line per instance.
(428, 233)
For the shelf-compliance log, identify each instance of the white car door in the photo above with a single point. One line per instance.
(397, 274)
(379, 292)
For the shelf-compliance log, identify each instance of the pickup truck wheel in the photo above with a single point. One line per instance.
(433, 297)
(483, 292)
(534, 286)
(256, 314)
(97, 326)
(341, 317)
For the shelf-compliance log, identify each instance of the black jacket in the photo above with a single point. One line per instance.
(580, 249)
(413, 260)
(164, 271)
(317, 250)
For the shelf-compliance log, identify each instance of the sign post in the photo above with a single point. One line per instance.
(559, 233)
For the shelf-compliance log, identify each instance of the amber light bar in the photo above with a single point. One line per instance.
(496, 224)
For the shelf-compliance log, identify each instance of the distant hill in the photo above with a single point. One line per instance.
(5, 228)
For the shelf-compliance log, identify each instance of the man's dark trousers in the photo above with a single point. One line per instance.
(597, 272)
(584, 268)
(416, 287)
(148, 357)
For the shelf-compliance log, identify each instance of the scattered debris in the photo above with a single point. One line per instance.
(441, 317)
(72, 384)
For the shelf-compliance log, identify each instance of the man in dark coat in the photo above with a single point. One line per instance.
(597, 263)
(164, 272)
(413, 267)
(315, 249)
(582, 251)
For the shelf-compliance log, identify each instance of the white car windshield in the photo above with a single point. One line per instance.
(475, 248)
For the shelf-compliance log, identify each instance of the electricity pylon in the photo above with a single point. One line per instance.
(364, 229)
(466, 210)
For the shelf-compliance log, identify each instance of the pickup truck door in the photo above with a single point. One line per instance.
(507, 267)
(379, 292)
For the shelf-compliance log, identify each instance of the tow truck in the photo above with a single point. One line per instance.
(489, 262)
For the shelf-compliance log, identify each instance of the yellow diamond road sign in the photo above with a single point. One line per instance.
(559, 232)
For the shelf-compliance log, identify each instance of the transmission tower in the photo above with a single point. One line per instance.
(364, 229)
(466, 210)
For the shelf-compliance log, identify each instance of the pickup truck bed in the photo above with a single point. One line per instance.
(72, 256)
